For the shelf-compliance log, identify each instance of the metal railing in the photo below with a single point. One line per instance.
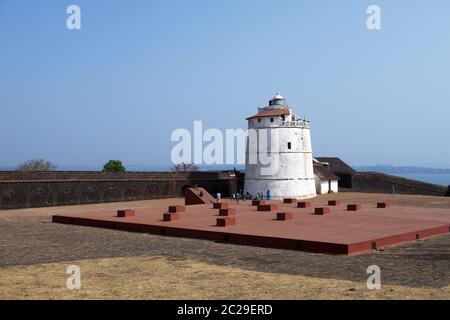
(298, 123)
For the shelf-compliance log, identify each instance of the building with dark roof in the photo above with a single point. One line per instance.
(340, 169)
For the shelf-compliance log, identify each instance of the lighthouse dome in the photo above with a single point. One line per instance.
(277, 101)
(278, 97)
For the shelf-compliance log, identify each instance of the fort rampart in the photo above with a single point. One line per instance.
(42, 189)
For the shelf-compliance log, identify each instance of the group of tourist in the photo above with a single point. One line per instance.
(260, 196)
(247, 196)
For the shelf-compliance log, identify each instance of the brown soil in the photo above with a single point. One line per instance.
(159, 278)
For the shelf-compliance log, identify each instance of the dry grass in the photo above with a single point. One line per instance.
(159, 278)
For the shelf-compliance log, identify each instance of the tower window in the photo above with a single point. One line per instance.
(289, 145)
(259, 119)
(271, 119)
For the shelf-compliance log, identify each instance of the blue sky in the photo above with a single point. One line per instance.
(137, 70)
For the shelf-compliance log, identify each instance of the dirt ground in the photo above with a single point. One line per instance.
(35, 254)
(160, 278)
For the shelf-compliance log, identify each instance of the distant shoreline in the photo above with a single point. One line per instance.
(387, 169)
(401, 170)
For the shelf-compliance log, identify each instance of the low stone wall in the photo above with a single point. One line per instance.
(40, 189)
(383, 183)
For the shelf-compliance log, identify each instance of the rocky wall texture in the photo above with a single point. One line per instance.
(383, 183)
(41, 189)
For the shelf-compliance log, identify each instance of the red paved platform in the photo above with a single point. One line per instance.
(339, 232)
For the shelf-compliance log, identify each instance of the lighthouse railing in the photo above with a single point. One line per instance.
(299, 123)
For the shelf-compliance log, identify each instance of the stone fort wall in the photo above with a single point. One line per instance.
(41, 189)
(384, 183)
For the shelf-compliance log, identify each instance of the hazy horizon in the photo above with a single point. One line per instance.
(168, 166)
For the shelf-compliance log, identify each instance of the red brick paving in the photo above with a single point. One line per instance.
(338, 232)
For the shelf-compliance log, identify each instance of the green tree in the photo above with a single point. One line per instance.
(36, 165)
(114, 166)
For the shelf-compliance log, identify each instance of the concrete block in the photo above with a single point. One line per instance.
(334, 202)
(125, 213)
(220, 205)
(285, 216)
(227, 212)
(225, 222)
(354, 207)
(171, 216)
(258, 202)
(268, 207)
(322, 211)
(303, 204)
(177, 209)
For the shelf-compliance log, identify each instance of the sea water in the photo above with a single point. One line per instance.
(436, 178)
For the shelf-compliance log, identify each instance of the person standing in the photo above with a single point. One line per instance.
(218, 196)
(268, 195)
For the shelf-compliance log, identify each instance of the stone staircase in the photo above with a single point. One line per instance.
(197, 196)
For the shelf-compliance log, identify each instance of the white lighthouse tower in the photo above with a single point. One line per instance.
(279, 153)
